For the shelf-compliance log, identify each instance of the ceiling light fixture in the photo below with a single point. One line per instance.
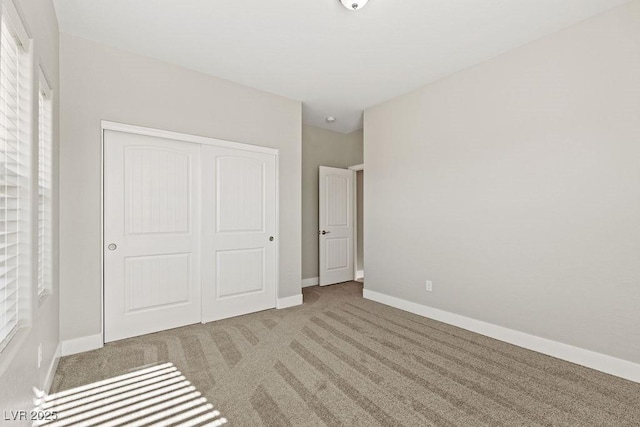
(354, 4)
(330, 119)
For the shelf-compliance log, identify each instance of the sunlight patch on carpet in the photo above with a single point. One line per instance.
(158, 395)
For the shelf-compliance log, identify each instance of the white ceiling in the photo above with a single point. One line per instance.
(337, 62)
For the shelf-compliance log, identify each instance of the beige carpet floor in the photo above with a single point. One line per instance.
(341, 360)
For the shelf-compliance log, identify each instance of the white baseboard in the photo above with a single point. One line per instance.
(311, 281)
(360, 274)
(82, 344)
(590, 359)
(289, 301)
(53, 366)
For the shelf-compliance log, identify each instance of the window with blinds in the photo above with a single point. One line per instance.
(45, 134)
(14, 175)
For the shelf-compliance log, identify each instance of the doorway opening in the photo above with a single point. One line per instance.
(340, 242)
(359, 255)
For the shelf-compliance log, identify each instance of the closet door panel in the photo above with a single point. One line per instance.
(152, 234)
(239, 232)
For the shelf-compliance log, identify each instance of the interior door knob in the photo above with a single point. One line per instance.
(323, 232)
(271, 238)
(112, 246)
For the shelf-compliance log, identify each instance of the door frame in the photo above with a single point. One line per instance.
(106, 125)
(356, 169)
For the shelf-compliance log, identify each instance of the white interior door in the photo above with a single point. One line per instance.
(336, 225)
(152, 234)
(239, 242)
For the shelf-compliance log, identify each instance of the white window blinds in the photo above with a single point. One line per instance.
(14, 177)
(45, 133)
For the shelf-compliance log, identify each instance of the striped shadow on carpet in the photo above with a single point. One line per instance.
(158, 395)
(341, 360)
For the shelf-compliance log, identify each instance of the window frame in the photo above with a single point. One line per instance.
(45, 241)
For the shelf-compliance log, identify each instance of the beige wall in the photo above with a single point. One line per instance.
(19, 371)
(102, 83)
(514, 186)
(321, 147)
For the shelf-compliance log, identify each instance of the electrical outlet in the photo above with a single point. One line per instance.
(429, 286)
(39, 355)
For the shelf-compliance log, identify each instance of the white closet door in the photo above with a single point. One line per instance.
(239, 232)
(152, 234)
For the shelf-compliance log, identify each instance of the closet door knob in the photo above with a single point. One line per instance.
(112, 246)
(271, 238)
